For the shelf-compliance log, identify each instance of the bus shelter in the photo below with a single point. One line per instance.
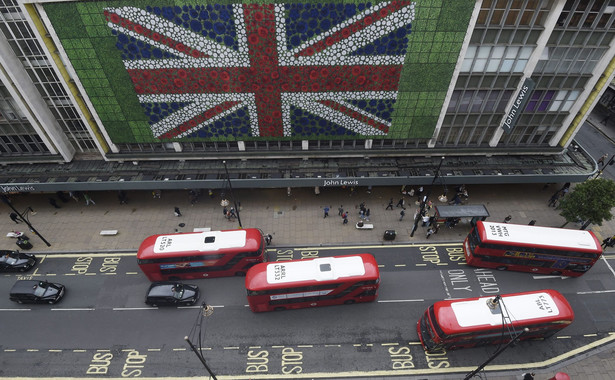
(476, 212)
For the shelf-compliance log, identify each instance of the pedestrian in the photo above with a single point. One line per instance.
(507, 219)
(14, 218)
(268, 238)
(400, 203)
(340, 210)
(326, 210)
(177, 212)
(232, 212)
(367, 214)
(401, 215)
(553, 199)
(361, 214)
(88, 200)
(211, 193)
(156, 194)
(426, 220)
(607, 242)
(612, 243)
(121, 196)
(62, 196)
(225, 212)
(73, 195)
(419, 192)
(430, 231)
(528, 376)
(52, 201)
(390, 205)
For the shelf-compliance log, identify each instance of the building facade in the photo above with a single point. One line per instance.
(131, 81)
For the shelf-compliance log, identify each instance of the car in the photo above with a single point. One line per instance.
(15, 261)
(33, 291)
(171, 293)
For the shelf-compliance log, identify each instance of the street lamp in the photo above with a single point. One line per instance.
(23, 216)
(494, 303)
(228, 178)
(207, 310)
(418, 216)
(495, 354)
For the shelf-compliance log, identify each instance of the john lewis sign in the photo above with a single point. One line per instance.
(521, 99)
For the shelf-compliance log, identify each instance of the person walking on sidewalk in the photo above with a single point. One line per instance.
(52, 201)
(177, 212)
(400, 203)
(340, 210)
(326, 210)
(344, 218)
(430, 231)
(390, 205)
(601, 159)
(73, 195)
(401, 215)
(88, 200)
(14, 218)
(607, 242)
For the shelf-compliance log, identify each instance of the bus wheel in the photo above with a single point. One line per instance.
(349, 302)
(240, 274)
(501, 267)
(279, 308)
(556, 273)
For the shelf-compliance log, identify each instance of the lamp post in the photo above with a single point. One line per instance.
(495, 354)
(23, 216)
(228, 178)
(418, 216)
(207, 311)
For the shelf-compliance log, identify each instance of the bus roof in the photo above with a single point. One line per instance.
(281, 274)
(458, 316)
(198, 242)
(536, 235)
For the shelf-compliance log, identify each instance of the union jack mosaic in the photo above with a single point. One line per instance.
(265, 70)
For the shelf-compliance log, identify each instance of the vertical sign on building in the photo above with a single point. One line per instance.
(510, 120)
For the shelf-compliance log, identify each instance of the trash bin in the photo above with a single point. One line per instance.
(24, 243)
(389, 235)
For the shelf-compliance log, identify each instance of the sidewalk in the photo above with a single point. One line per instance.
(292, 220)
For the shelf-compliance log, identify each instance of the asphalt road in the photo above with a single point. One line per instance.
(102, 328)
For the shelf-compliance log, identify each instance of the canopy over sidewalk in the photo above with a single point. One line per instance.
(476, 212)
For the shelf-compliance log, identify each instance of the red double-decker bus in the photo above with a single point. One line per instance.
(194, 255)
(525, 248)
(322, 281)
(470, 322)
